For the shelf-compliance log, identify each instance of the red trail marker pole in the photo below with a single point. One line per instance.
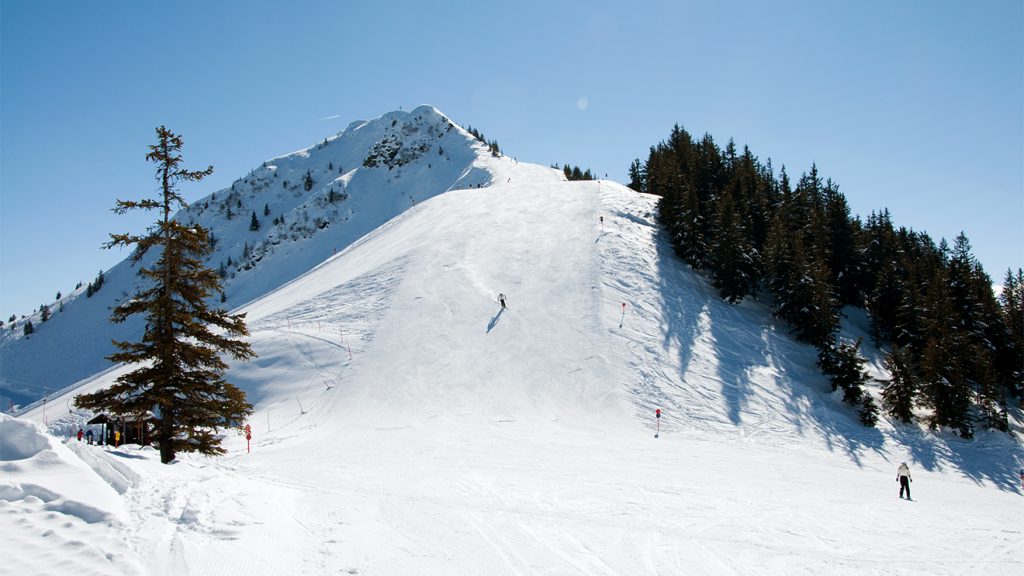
(248, 437)
(657, 415)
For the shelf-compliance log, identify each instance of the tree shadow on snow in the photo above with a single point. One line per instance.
(748, 351)
(680, 329)
(795, 399)
(808, 398)
(989, 457)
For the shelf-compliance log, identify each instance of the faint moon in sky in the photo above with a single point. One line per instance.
(582, 103)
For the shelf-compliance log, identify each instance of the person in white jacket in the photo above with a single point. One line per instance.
(903, 477)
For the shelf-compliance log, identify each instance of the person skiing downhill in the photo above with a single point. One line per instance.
(501, 299)
(903, 477)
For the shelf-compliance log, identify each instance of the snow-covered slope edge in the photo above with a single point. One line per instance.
(270, 226)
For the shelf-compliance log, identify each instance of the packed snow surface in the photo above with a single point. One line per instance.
(406, 424)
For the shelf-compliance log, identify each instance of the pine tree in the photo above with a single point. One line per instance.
(868, 412)
(254, 223)
(778, 257)
(266, 209)
(1011, 302)
(307, 182)
(44, 312)
(637, 176)
(845, 366)
(808, 302)
(29, 328)
(944, 381)
(179, 373)
(845, 261)
(898, 394)
(731, 256)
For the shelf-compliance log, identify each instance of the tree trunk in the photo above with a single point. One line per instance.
(166, 434)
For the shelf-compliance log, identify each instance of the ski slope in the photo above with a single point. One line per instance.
(406, 425)
(308, 205)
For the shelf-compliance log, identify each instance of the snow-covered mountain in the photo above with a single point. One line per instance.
(406, 424)
(307, 206)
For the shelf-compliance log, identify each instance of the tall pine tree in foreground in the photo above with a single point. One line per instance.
(179, 375)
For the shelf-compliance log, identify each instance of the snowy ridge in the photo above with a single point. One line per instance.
(405, 424)
(309, 204)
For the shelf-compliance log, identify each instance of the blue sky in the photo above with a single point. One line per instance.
(914, 106)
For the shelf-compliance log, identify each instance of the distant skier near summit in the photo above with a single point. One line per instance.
(903, 477)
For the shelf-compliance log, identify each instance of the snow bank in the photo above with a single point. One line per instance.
(56, 515)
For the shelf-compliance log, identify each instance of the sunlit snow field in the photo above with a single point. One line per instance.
(406, 425)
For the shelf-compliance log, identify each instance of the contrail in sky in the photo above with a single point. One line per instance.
(332, 117)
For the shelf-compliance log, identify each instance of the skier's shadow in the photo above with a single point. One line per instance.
(494, 321)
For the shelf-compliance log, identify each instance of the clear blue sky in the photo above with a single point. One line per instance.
(917, 106)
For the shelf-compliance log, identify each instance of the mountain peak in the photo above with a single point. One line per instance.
(408, 137)
(270, 226)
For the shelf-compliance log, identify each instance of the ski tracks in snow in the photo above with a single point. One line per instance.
(205, 518)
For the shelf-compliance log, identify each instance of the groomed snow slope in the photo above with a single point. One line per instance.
(307, 205)
(405, 424)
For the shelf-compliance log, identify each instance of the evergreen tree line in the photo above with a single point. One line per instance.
(574, 173)
(955, 348)
(491, 145)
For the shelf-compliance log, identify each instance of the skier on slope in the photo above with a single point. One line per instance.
(903, 477)
(501, 299)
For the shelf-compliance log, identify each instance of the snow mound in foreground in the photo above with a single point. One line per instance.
(51, 500)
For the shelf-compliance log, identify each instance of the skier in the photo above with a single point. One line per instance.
(501, 299)
(903, 477)
(80, 434)
(88, 436)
